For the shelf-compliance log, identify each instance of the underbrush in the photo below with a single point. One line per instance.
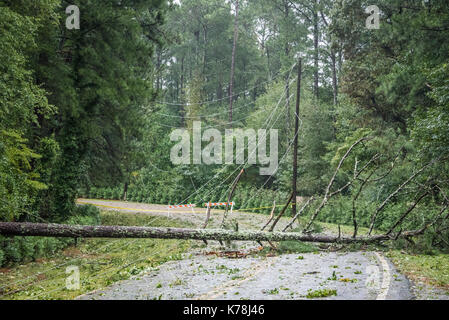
(15, 250)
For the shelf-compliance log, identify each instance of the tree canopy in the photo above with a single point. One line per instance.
(89, 111)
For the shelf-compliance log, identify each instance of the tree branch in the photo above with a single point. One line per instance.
(298, 214)
(331, 182)
(406, 213)
(282, 212)
(231, 193)
(271, 217)
(382, 206)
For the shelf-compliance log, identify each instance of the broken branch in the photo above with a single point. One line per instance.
(271, 216)
(382, 206)
(282, 212)
(231, 193)
(299, 213)
(331, 182)
(406, 213)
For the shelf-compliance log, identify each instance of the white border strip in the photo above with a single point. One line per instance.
(386, 276)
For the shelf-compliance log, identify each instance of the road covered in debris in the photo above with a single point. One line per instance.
(246, 272)
(290, 276)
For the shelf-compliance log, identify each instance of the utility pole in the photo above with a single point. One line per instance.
(231, 83)
(287, 75)
(295, 144)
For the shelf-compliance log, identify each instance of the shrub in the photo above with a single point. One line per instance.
(131, 194)
(93, 193)
(15, 250)
(117, 193)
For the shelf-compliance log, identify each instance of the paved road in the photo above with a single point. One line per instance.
(196, 216)
(353, 275)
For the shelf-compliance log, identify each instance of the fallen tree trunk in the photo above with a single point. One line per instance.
(79, 231)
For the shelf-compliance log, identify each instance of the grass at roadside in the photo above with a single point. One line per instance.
(431, 269)
(101, 262)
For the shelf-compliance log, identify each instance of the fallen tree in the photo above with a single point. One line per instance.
(83, 231)
(80, 231)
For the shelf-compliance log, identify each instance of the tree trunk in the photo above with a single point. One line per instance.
(182, 111)
(205, 48)
(316, 49)
(231, 83)
(334, 76)
(268, 64)
(158, 68)
(125, 191)
(79, 231)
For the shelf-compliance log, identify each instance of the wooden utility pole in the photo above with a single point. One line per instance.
(287, 75)
(295, 144)
(231, 83)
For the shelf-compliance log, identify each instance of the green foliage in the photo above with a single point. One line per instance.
(321, 293)
(18, 180)
(432, 125)
(71, 102)
(22, 102)
(432, 269)
(82, 112)
(295, 247)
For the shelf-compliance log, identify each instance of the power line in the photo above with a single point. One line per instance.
(224, 98)
(215, 188)
(238, 168)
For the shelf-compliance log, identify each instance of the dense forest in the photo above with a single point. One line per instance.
(88, 112)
